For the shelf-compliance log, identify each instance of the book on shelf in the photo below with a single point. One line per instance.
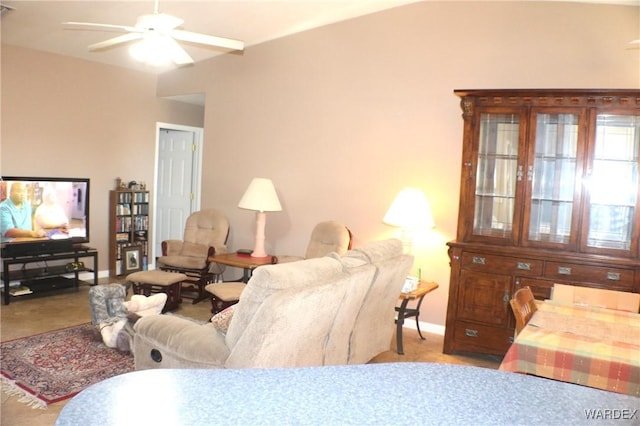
(19, 290)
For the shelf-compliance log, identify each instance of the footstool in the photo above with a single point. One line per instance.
(224, 295)
(147, 282)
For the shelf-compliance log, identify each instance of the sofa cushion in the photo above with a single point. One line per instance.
(358, 281)
(351, 259)
(294, 327)
(270, 279)
(377, 251)
(374, 325)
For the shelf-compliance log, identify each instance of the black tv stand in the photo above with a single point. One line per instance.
(40, 277)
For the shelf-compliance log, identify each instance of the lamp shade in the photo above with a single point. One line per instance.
(410, 210)
(260, 196)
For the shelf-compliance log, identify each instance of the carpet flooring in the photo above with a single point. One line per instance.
(54, 366)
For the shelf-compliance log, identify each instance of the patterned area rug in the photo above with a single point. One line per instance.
(54, 366)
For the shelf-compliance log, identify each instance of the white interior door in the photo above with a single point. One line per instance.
(177, 180)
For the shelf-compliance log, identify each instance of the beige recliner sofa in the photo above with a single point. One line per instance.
(337, 309)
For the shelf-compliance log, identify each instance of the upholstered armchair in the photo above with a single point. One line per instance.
(326, 237)
(205, 234)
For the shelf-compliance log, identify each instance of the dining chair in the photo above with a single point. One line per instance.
(326, 237)
(523, 305)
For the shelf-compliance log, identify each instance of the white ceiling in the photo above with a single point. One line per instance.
(38, 24)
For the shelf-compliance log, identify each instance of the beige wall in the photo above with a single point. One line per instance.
(64, 117)
(341, 117)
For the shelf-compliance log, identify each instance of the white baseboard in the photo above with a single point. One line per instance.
(425, 326)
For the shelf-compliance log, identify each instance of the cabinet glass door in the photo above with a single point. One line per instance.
(497, 174)
(552, 175)
(613, 182)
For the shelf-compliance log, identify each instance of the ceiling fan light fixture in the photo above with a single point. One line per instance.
(153, 50)
(155, 38)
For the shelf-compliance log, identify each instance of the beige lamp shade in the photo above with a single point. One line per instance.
(260, 196)
(410, 210)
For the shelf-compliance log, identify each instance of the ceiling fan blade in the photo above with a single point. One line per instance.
(115, 41)
(178, 55)
(105, 27)
(208, 39)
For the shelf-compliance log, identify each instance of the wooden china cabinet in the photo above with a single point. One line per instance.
(549, 194)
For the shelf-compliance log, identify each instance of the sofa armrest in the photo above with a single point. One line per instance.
(166, 341)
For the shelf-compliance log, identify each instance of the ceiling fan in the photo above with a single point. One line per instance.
(156, 34)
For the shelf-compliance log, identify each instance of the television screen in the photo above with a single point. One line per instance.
(41, 209)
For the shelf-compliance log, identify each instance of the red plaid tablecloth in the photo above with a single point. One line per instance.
(593, 347)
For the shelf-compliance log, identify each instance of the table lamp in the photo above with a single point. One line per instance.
(260, 196)
(410, 211)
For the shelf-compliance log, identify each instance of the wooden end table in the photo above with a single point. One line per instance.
(247, 263)
(423, 289)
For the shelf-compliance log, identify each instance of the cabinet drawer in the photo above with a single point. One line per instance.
(605, 276)
(541, 289)
(471, 336)
(504, 264)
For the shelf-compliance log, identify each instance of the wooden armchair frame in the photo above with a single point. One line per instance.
(523, 305)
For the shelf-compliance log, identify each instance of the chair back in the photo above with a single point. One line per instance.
(327, 237)
(207, 227)
(523, 305)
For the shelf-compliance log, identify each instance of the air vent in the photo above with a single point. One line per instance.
(4, 9)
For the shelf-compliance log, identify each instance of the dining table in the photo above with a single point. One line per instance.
(585, 345)
(397, 393)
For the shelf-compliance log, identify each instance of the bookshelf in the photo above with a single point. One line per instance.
(128, 231)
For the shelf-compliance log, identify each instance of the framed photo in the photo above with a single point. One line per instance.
(132, 259)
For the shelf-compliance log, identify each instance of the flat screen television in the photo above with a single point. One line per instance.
(58, 210)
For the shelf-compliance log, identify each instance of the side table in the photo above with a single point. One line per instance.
(423, 289)
(247, 263)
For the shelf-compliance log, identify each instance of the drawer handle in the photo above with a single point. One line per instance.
(613, 276)
(471, 333)
(478, 260)
(524, 266)
(564, 270)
